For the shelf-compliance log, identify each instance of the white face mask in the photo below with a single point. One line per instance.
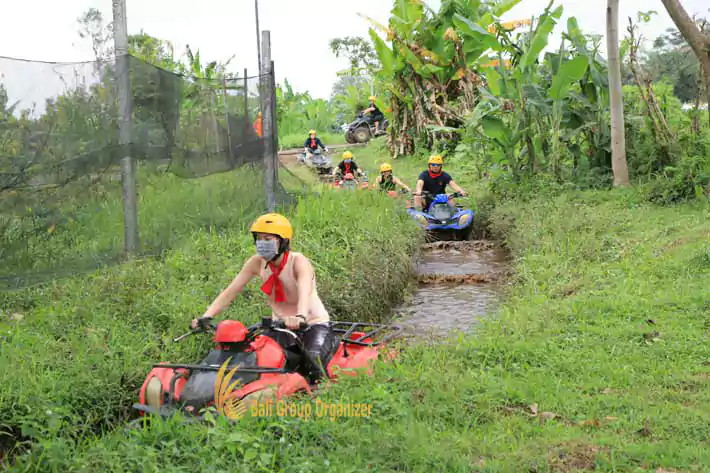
(267, 249)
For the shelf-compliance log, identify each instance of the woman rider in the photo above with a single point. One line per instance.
(387, 181)
(290, 284)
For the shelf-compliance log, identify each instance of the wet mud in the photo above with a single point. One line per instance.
(460, 283)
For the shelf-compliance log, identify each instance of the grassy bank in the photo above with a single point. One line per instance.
(597, 361)
(74, 352)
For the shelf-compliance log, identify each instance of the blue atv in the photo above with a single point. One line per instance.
(441, 218)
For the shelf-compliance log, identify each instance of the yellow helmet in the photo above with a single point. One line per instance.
(347, 155)
(436, 159)
(372, 97)
(385, 167)
(312, 132)
(273, 223)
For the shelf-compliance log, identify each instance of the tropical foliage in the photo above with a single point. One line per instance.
(458, 80)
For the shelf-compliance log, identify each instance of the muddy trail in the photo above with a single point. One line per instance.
(459, 283)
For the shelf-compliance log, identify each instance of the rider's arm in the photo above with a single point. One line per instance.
(420, 186)
(401, 184)
(249, 270)
(303, 272)
(320, 143)
(456, 187)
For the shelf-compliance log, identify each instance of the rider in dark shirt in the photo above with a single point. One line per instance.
(376, 115)
(433, 182)
(312, 143)
(347, 165)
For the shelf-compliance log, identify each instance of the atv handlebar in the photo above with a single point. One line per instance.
(205, 324)
(267, 323)
(429, 194)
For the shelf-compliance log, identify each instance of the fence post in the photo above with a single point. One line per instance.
(274, 128)
(230, 158)
(268, 96)
(247, 122)
(128, 170)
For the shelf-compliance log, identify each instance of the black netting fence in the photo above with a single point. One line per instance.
(197, 145)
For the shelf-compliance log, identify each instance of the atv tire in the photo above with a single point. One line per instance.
(350, 138)
(362, 134)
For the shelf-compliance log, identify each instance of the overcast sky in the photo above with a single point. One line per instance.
(45, 30)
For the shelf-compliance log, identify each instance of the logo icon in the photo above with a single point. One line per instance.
(227, 405)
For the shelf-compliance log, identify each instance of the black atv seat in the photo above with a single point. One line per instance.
(199, 388)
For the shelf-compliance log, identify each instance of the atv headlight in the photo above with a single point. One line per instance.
(422, 220)
(154, 393)
(463, 221)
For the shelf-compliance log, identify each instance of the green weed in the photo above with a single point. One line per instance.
(597, 361)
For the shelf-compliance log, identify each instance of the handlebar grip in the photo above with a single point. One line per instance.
(269, 323)
(204, 323)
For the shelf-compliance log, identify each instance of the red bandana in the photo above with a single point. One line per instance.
(347, 167)
(434, 176)
(274, 281)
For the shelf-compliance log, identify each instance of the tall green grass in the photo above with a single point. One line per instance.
(74, 352)
(597, 361)
(78, 227)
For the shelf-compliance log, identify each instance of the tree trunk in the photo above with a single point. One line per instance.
(697, 40)
(618, 140)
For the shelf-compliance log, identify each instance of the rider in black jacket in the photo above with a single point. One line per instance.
(313, 143)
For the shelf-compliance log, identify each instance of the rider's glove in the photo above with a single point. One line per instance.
(197, 322)
(294, 323)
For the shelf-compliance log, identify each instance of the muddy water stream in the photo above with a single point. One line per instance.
(459, 283)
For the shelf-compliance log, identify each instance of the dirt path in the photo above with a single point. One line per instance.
(296, 151)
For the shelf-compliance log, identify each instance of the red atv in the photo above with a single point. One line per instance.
(265, 368)
(349, 182)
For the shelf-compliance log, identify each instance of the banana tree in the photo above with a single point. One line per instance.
(516, 108)
(591, 109)
(428, 66)
(560, 100)
(298, 112)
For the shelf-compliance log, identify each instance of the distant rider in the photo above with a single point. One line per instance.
(375, 114)
(347, 165)
(434, 181)
(312, 143)
(290, 285)
(386, 180)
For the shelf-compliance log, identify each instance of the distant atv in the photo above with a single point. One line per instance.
(318, 161)
(350, 182)
(363, 129)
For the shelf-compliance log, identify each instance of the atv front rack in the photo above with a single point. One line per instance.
(253, 369)
(346, 329)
